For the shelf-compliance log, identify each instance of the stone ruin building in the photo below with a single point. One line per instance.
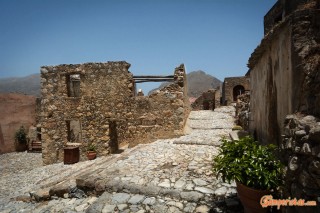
(97, 103)
(284, 73)
(232, 87)
(208, 100)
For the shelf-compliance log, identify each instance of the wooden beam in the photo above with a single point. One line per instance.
(153, 80)
(153, 76)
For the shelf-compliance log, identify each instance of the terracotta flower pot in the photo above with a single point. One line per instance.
(91, 155)
(250, 198)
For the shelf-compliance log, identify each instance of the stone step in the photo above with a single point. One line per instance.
(128, 202)
(58, 185)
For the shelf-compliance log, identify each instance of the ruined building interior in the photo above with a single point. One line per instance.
(97, 103)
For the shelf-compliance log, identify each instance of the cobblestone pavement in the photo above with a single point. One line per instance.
(172, 175)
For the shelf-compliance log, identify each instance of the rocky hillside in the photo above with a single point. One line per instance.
(29, 85)
(15, 110)
(198, 82)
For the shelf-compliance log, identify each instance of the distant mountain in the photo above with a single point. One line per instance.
(198, 82)
(29, 85)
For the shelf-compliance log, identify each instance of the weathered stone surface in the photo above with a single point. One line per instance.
(59, 190)
(314, 134)
(202, 209)
(232, 87)
(221, 191)
(135, 199)
(170, 193)
(150, 189)
(149, 201)
(204, 190)
(191, 196)
(120, 198)
(199, 182)
(179, 184)
(74, 109)
(108, 208)
(208, 100)
(41, 194)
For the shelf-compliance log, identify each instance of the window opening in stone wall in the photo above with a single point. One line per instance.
(73, 85)
(237, 90)
(151, 84)
(73, 131)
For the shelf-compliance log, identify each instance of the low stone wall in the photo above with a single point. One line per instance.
(207, 101)
(301, 154)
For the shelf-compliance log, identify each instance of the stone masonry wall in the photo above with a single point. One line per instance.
(104, 108)
(300, 148)
(284, 74)
(104, 90)
(160, 115)
(229, 87)
(207, 101)
(243, 111)
(285, 97)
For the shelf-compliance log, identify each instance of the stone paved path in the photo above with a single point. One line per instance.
(172, 175)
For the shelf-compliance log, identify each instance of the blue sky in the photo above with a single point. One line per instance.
(216, 36)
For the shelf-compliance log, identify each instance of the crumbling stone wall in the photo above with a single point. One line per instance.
(232, 87)
(162, 114)
(105, 89)
(285, 79)
(100, 97)
(218, 97)
(207, 101)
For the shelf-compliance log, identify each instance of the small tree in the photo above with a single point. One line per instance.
(21, 135)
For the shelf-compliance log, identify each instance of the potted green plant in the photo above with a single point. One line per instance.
(91, 152)
(21, 139)
(255, 169)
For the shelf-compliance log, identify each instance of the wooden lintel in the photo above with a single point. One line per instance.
(152, 76)
(153, 80)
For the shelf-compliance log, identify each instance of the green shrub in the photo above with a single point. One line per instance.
(21, 135)
(91, 147)
(249, 163)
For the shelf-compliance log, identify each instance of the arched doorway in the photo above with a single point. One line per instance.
(237, 90)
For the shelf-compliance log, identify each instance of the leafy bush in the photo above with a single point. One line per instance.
(21, 135)
(249, 163)
(91, 147)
